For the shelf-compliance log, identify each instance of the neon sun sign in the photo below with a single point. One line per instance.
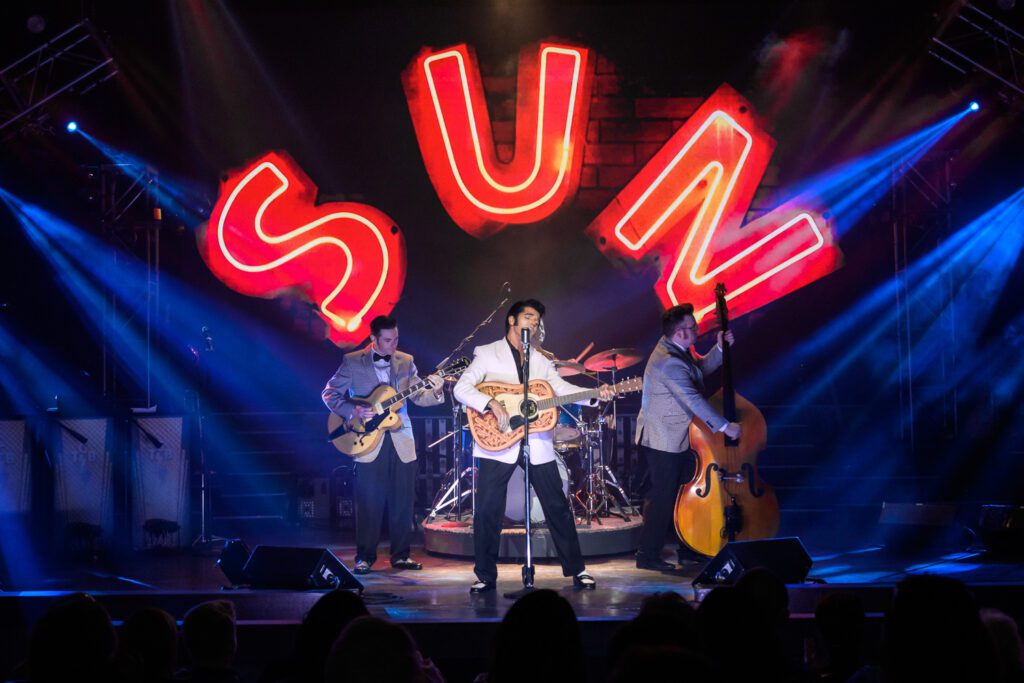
(684, 208)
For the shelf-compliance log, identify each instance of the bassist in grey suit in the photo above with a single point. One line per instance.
(673, 396)
(387, 474)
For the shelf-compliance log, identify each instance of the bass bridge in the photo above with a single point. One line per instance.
(746, 474)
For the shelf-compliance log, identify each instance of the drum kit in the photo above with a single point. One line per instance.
(580, 438)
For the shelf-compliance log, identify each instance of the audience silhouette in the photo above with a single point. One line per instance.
(933, 631)
(73, 640)
(321, 627)
(538, 640)
(210, 643)
(147, 647)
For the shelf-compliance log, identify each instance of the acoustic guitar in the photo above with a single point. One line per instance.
(358, 437)
(541, 410)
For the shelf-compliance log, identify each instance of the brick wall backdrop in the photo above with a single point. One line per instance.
(624, 132)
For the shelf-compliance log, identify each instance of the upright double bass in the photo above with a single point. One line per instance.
(727, 500)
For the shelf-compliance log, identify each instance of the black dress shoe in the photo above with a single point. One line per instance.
(685, 557)
(584, 581)
(657, 565)
(407, 563)
(362, 567)
(482, 587)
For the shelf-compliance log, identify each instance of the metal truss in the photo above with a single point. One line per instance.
(977, 42)
(77, 60)
(130, 220)
(921, 209)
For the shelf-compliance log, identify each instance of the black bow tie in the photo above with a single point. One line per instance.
(377, 357)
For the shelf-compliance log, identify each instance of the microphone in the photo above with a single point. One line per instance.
(525, 338)
(207, 339)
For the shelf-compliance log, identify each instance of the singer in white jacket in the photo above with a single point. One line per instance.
(501, 361)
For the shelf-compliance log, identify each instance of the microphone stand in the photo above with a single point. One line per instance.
(528, 568)
(458, 445)
(205, 541)
(506, 289)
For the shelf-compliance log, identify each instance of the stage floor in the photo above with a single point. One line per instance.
(453, 627)
(440, 590)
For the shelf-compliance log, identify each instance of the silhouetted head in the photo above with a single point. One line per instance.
(73, 640)
(148, 646)
(542, 623)
(371, 650)
(209, 630)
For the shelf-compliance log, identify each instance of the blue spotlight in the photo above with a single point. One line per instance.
(72, 126)
(974, 106)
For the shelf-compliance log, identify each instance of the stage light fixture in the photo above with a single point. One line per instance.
(72, 126)
(974, 106)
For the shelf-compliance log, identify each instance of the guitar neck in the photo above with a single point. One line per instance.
(402, 395)
(453, 368)
(555, 401)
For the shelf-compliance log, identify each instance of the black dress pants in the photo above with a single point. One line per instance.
(387, 481)
(492, 486)
(668, 471)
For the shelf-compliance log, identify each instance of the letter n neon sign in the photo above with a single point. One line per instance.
(684, 210)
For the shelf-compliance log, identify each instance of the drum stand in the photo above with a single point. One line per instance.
(600, 477)
(452, 493)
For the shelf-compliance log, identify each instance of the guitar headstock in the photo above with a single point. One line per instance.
(629, 385)
(455, 367)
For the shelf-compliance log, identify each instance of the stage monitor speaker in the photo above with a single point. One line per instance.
(785, 557)
(298, 568)
(1001, 528)
(909, 529)
(233, 557)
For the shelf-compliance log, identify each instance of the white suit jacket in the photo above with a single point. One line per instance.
(495, 363)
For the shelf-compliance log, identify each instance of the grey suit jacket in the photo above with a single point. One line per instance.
(356, 377)
(673, 395)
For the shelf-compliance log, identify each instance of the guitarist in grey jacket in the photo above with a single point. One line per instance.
(673, 396)
(387, 474)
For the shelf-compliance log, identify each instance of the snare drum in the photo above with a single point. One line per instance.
(567, 429)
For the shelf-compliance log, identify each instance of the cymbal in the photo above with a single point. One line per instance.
(569, 368)
(619, 359)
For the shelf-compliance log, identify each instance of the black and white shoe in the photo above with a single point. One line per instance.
(482, 587)
(584, 581)
(406, 563)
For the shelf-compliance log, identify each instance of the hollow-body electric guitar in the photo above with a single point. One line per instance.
(358, 437)
(541, 409)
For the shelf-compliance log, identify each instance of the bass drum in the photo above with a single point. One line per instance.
(514, 494)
